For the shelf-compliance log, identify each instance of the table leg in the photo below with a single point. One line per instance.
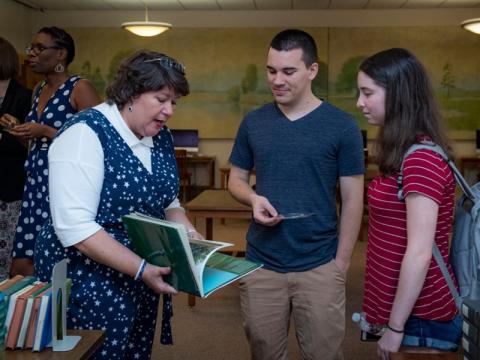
(209, 228)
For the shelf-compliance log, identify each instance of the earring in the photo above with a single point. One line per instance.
(59, 68)
(130, 108)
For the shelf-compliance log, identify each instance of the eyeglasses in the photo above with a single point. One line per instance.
(37, 48)
(169, 63)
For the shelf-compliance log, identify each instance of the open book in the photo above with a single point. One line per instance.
(197, 267)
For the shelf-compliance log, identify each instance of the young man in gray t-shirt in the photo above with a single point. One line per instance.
(300, 147)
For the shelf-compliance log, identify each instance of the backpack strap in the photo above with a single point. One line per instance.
(443, 268)
(466, 190)
(436, 148)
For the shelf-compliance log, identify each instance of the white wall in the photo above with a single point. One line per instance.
(15, 24)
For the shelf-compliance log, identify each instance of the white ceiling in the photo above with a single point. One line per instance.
(178, 5)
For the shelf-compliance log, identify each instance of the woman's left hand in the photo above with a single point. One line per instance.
(153, 277)
(194, 234)
(390, 342)
(29, 130)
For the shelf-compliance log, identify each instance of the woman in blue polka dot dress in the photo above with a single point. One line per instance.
(106, 162)
(55, 100)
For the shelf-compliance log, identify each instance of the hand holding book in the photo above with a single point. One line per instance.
(153, 277)
(196, 265)
(194, 234)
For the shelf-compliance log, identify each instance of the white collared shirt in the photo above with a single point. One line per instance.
(76, 172)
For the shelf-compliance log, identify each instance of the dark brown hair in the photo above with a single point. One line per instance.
(8, 60)
(146, 71)
(411, 109)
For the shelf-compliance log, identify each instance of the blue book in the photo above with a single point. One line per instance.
(43, 328)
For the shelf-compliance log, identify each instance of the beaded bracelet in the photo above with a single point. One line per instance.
(395, 330)
(140, 270)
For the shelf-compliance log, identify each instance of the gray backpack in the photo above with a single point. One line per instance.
(465, 244)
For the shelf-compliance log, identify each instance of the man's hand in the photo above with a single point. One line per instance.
(342, 265)
(263, 212)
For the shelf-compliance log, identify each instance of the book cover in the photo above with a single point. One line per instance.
(470, 331)
(469, 348)
(11, 304)
(27, 314)
(31, 330)
(18, 284)
(3, 315)
(197, 267)
(43, 331)
(9, 282)
(18, 314)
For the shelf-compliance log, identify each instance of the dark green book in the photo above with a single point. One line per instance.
(197, 267)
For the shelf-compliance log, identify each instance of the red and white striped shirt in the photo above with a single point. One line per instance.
(426, 173)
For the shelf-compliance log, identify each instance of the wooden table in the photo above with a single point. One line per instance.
(426, 356)
(216, 204)
(90, 341)
(211, 204)
(225, 173)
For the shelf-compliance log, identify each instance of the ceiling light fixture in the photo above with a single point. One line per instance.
(472, 25)
(146, 28)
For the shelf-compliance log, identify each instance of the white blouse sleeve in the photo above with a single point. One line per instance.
(76, 171)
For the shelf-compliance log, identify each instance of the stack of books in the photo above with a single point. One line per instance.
(27, 313)
(471, 329)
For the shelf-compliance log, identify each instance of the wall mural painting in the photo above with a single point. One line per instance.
(226, 69)
(450, 55)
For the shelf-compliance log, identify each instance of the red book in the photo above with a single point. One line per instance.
(17, 318)
(10, 282)
(30, 337)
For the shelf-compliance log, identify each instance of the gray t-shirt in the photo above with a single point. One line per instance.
(297, 166)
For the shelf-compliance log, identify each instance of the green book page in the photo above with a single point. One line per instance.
(162, 246)
(223, 269)
(231, 264)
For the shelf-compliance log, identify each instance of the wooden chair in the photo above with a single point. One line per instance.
(183, 174)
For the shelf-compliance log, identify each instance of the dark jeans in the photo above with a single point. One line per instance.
(442, 335)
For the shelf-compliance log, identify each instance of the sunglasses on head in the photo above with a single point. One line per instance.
(167, 62)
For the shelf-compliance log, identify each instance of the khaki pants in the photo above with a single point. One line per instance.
(315, 298)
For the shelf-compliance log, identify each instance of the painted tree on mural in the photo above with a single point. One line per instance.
(115, 63)
(347, 79)
(320, 83)
(95, 77)
(448, 79)
(250, 79)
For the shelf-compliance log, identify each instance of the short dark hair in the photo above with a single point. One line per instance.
(290, 39)
(9, 64)
(145, 71)
(62, 39)
(411, 109)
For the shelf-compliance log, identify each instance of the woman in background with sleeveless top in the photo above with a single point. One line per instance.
(55, 100)
(15, 102)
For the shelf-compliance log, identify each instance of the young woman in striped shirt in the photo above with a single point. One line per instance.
(404, 288)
